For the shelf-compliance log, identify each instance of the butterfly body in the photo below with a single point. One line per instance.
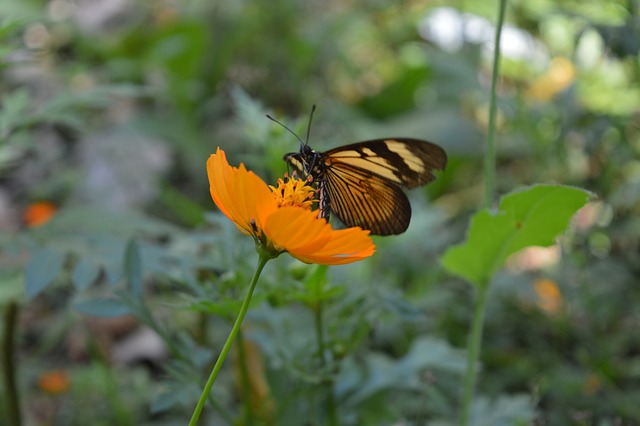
(362, 182)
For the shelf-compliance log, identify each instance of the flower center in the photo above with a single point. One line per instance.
(293, 192)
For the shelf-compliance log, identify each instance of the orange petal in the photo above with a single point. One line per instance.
(312, 240)
(256, 199)
(297, 229)
(346, 246)
(239, 194)
(219, 171)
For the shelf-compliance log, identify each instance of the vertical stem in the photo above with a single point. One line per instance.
(9, 366)
(473, 353)
(332, 412)
(490, 153)
(264, 258)
(475, 338)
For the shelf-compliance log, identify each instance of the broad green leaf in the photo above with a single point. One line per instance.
(85, 272)
(102, 307)
(42, 269)
(133, 268)
(534, 216)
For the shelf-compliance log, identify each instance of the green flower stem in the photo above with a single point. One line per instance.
(475, 338)
(490, 152)
(264, 258)
(8, 365)
(473, 352)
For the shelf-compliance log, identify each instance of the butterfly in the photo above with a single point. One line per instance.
(362, 182)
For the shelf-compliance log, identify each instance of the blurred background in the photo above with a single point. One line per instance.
(123, 278)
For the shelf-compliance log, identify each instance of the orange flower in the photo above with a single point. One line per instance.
(39, 213)
(280, 219)
(54, 382)
(559, 77)
(549, 296)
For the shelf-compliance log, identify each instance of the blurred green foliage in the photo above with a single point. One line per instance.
(110, 109)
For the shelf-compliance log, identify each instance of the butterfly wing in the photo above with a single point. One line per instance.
(361, 198)
(363, 181)
(405, 162)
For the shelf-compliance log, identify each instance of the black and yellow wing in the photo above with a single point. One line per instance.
(361, 183)
(360, 198)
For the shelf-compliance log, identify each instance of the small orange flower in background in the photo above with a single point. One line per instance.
(549, 297)
(54, 382)
(39, 213)
(559, 77)
(280, 218)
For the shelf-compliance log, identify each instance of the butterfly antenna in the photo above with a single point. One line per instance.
(288, 129)
(313, 109)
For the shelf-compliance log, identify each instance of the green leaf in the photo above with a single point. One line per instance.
(85, 272)
(102, 307)
(42, 269)
(133, 268)
(534, 216)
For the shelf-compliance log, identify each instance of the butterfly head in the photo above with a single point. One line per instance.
(306, 160)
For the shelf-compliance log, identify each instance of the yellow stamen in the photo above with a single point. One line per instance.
(293, 192)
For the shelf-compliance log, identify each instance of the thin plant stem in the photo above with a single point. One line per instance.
(9, 366)
(475, 338)
(264, 258)
(473, 353)
(332, 412)
(490, 152)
